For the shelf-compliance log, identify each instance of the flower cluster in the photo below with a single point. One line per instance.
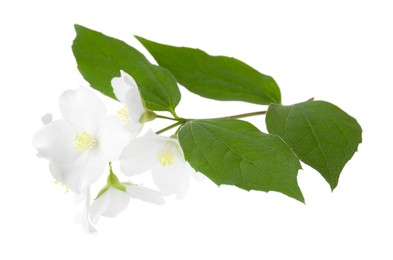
(82, 145)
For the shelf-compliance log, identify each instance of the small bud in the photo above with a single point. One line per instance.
(47, 118)
(147, 117)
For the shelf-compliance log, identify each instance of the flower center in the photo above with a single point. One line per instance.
(85, 141)
(123, 114)
(166, 158)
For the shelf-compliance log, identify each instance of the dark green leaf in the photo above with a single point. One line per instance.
(216, 77)
(321, 134)
(234, 152)
(100, 58)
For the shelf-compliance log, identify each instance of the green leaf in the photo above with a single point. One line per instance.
(321, 134)
(215, 77)
(234, 152)
(100, 58)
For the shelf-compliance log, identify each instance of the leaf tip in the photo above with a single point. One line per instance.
(301, 199)
(78, 27)
(141, 39)
(332, 187)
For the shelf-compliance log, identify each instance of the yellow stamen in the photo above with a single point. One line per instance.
(166, 158)
(62, 185)
(85, 141)
(123, 114)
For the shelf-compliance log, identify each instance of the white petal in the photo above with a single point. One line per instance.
(173, 179)
(81, 173)
(134, 127)
(112, 138)
(109, 204)
(55, 142)
(47, 118)
(83, 217)
(79, 198)
(140, 154)
(135, 105)
(145, 194)
(83, 108)
(121, 85)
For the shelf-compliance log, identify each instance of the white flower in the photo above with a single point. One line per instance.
(127, 92)
(80, 146)
(115, 196)
(164, 157)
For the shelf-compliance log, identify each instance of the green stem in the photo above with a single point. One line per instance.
(257, 113)
(182, 121)
(179, 119)
(169, 118)
(174, 113)
(171, 126)
(110, 168)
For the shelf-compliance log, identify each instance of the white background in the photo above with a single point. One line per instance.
(339, 51)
